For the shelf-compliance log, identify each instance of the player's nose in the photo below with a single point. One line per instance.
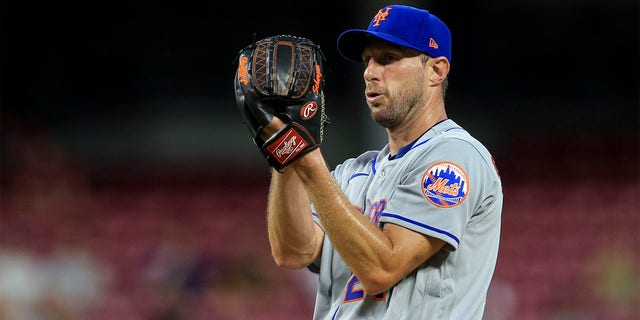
(372, 70)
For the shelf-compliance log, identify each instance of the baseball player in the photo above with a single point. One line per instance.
(410, 231)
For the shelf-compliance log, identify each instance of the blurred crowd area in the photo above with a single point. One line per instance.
(124, 244)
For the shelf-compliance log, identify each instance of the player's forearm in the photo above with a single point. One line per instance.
(295, 239)
(363, 246)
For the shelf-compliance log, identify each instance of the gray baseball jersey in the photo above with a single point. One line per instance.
(444, 185)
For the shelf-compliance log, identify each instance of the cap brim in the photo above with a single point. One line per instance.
(352, 42)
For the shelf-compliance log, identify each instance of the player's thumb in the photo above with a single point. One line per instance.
(260, 110)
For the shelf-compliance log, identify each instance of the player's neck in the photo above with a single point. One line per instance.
(415, 127)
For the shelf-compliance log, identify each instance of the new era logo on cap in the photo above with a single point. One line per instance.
(404, 26)
(433, 43)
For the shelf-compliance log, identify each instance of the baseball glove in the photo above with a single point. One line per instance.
(282, 76)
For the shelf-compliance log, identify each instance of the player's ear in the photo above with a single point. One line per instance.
(439, 70)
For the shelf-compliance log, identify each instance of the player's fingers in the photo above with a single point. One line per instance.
(269, 124)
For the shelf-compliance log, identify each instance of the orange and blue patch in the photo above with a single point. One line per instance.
(445, 184)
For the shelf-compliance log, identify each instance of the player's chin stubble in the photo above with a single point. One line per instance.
(391, 116)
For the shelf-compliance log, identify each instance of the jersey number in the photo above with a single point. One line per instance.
(356, 293)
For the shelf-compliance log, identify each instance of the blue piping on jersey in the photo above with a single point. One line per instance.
(402, 151)
(391, 215)
(373, 165)
(423, 142)
(357, 175)
(419, 144)
(453, 128)
(333, 317)
(413, 145)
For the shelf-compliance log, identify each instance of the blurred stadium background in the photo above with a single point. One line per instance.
(130, 188)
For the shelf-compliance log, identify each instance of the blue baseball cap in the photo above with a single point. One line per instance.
(402, 25)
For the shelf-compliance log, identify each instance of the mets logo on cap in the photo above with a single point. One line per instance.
(445, 184)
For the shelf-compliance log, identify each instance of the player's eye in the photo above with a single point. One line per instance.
(387, 58)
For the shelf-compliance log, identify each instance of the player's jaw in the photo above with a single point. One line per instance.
(381, 110)
(377, 101)
(393, 108)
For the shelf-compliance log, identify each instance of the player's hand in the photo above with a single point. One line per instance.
(264, 124)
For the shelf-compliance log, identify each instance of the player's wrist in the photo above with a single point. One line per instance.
(308, 160)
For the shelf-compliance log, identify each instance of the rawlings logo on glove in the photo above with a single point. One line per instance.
(308, 110)
(287, 146)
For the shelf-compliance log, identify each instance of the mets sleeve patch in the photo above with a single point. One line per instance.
(445, 184)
